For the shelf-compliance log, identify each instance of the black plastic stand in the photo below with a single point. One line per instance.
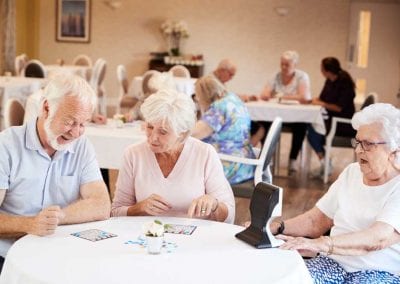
(266, 202)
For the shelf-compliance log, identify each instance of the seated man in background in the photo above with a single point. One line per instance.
(225, 71)
(48, 172)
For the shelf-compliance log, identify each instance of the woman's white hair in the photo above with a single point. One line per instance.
(171, 107)
(70, 85)
(291, 55)
(388, 117)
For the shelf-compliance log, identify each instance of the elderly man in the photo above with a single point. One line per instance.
(48, 172)
(225, 71)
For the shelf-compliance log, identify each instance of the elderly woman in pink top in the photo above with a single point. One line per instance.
(172, 173)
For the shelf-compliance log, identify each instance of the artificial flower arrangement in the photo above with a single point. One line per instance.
(154, 229)
(174, 31)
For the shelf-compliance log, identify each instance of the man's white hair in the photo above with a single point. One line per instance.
(171, 107)
(68, 85)
(389, 119)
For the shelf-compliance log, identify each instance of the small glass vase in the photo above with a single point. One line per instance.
(154, 244)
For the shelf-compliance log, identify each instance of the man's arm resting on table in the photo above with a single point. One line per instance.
(94, 204)
(44, 223)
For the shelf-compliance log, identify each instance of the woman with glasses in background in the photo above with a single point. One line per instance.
(361, 209)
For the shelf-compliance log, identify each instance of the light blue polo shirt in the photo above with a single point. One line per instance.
(33, 180)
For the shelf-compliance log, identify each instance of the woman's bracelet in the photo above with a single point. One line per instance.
(330, 245)
(216, 207)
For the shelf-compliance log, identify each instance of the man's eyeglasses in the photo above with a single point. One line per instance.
(365, 145)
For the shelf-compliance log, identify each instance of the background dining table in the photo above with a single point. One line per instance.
(54, 70)
(111, 139)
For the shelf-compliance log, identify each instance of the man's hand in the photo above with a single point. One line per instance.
(46, 221)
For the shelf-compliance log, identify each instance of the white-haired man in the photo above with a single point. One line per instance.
(48, 171)
(225, 71)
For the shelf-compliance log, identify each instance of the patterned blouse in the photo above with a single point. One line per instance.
(230, 120)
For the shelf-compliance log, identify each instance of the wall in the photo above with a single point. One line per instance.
(248, 31)
(27, 26)
(383, 68)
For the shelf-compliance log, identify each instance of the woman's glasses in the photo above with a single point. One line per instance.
(365, 145)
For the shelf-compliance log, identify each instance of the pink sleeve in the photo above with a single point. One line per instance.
(217, 185)
(125, 189)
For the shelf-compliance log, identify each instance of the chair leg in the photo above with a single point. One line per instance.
(326, 163)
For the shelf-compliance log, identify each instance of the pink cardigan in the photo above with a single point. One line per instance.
(198, 171)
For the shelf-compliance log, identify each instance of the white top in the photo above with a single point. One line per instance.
(300, 77)
(198, 171)
(211, 254)
(354, 206)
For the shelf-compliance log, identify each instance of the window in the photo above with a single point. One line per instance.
(364, 28)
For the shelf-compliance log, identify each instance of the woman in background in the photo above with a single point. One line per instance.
(289, 83)
(225, 124)
(337, 99)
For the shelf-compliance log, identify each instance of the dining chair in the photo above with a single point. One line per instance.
(13, 113)
(263, 162)
(180, 71)
(333, 140)
(82, 60)
(96, 81)
(19, 64)
(124, 101)
(35, 69)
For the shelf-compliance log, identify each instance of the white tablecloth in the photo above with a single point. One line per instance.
(211, 254)
(19, 88)
(110, 141)
(54, 70)
(183, 85)
(267, 111)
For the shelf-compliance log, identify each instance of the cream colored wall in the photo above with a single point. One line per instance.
(27, 36)
(248, 31)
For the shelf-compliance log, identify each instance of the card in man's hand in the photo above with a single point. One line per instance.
(93, 235)
(180, 229)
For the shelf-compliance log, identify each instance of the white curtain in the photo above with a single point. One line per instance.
(7, 34)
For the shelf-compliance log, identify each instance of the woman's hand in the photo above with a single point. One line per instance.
(203, 206)
(153, 205)
(306, 247)
(317, 101)
(99, 119)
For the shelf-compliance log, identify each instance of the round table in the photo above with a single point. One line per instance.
(211, 254)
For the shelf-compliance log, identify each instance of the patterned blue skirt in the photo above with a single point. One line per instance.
(327, 271)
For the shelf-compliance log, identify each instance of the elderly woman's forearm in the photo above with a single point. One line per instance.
(311, 224)
(377, 237)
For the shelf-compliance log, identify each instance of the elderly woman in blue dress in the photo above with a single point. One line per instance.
(362, 210)
(225, 124)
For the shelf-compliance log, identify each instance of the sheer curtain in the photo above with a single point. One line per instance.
(7, 34)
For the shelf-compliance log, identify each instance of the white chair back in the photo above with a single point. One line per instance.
(13, 113)
(96, 81)
(82, 60)
(123, 100)
(180, 71)
(19, 65)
